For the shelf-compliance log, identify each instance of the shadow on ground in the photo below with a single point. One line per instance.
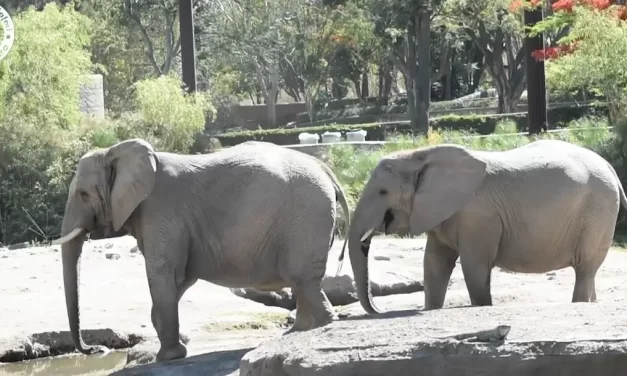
(219, 363)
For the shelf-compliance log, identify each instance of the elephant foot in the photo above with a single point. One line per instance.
(96, 349)
(177, 351)
(301, 327)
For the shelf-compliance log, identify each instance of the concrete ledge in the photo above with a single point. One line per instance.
(551, 339)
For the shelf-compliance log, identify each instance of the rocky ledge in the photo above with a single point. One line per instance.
(544, 339)
(548, 339)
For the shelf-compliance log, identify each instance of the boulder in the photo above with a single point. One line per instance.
(398, 271)
(546, 339)
(44, 344)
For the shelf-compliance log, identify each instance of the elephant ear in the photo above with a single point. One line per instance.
(446, 180)
(133, 164)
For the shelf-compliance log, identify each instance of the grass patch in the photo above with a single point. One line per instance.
(257, 321)
(353, 167)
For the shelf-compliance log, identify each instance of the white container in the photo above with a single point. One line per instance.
(359, 135)
(308, 138)
(331, 137)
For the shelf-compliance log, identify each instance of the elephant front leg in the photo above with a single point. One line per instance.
(439, 262)
(165, 293)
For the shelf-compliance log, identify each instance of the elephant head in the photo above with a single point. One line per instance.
(410, 192)
(107, 187)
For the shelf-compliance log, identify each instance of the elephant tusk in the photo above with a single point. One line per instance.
(69, 236)
(367, 234)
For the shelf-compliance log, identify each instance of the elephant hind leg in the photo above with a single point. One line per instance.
(584, 288)
(304, 275)
(313, 308)
(589, 255)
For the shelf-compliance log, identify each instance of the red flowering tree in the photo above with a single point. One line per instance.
(592, 53)
(563, 17)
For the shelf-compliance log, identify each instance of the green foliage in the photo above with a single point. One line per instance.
(599, 60)
(353, 167)
(43, 133)
(39, 117)
(169, 117)
(40, 78)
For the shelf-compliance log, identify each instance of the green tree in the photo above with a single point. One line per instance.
(40, 87)
(406, 31)
(499, 35)
(39, 119)
(598, 61)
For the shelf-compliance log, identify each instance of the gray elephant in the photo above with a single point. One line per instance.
(540, 207)
(254, 215)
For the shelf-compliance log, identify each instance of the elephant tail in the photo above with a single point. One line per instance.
(621, 190)
(340, 196)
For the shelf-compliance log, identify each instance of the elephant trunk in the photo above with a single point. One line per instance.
(71, 250)
(360, 237)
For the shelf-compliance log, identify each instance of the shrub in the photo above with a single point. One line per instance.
(167, 116)
(35, 165)
(43, 133)
(39, 114)
(40, 77)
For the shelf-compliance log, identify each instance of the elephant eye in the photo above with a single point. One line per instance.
(383, 192)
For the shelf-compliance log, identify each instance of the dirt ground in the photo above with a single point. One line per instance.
(114, 294)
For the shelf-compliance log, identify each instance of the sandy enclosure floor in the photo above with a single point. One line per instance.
(114, 293)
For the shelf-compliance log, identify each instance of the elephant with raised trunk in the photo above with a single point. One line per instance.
(536, 208)
(254, 215)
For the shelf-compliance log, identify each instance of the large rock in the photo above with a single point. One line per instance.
(547, 339)
(56, 343)
(397, 270)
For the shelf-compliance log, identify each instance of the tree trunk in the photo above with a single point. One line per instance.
(448, 79)
(271, 96)
(357, 85)
(381, 78)
(309, 103)
(422, 81)
(411, 76)
(365, 83)
(388, 81)
(536, 85)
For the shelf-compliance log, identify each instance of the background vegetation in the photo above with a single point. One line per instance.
(416, 62)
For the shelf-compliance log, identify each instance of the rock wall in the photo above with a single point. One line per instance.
(91, 96)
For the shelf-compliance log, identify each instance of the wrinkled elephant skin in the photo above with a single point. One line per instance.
(533, 209)
(254, 215)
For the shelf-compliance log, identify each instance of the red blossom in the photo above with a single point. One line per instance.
(598, 4)
(621, 13)
(555, 52)
(563, 5)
